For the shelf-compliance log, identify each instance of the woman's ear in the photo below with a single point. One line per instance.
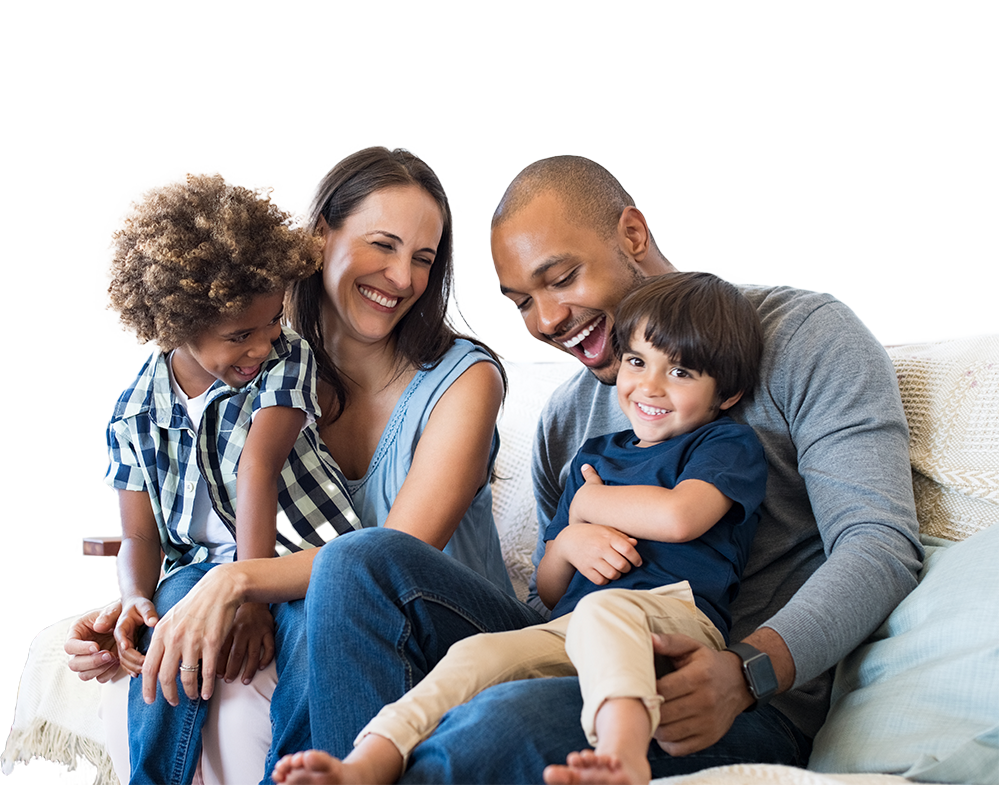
(322, 230)
(633, 233)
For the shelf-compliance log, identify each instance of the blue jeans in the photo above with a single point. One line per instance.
(382, 610)
(165, 740)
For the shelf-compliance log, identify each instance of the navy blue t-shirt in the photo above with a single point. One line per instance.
(724, 453)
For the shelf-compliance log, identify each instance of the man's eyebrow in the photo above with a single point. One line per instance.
(543, 268)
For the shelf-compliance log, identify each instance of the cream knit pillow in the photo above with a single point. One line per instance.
(949, 392)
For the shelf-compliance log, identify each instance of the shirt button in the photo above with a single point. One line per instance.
(189, 486)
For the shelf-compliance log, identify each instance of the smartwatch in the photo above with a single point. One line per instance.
(757, 671)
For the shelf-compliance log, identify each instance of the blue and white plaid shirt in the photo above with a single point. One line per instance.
(154, 447)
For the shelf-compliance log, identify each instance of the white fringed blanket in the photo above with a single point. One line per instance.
(56, 716)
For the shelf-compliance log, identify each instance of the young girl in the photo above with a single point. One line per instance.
(659, 518)
(213, 448)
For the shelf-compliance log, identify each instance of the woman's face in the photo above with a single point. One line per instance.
(376, 265)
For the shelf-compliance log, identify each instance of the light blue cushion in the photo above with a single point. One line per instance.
(919, 698)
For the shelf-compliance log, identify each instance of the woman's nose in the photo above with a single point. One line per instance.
(397, 272)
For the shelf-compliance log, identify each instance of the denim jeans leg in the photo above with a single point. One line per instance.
(165, 741)
(382, 608)
(511, 732)
(290, 700)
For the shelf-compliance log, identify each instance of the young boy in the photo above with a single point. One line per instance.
(652, 533)
(213, 448)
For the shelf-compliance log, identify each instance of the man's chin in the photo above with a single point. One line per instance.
(606, 374)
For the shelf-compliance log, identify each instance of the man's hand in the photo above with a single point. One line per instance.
(250, 643)
(600, 553)
(701, 698)
(91, 644)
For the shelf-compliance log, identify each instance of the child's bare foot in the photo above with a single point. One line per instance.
(312, 767)
(589, 768)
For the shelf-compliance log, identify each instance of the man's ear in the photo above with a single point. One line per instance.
(730, 402)
(633, 233)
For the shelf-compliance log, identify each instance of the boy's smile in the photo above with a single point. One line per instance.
(232, 350)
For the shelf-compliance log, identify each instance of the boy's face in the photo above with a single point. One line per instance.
(231, 350)
(661, 398)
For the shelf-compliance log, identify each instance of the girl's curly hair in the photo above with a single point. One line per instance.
(191, 254)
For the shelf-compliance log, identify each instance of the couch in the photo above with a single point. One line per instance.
(918, 701)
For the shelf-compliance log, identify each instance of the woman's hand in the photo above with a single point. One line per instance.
(250, 643)
(91, 644)
(191, 634)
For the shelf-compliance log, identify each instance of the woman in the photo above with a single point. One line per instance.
(409, 415)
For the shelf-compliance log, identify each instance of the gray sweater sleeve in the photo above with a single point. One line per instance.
(837, 390)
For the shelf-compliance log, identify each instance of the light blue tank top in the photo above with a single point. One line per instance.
(475, 543)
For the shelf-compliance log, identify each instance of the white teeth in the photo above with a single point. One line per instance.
(375, 297)
(651, 410)
(581, 335)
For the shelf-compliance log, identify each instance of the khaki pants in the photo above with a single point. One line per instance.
(605, 641)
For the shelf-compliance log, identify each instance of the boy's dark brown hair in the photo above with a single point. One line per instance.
(704, 323)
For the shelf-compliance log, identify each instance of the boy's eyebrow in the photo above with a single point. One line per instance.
(234, 333)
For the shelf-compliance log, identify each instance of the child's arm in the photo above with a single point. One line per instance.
(650, 512)
(138, 572)
(600, 553)
(271, 437)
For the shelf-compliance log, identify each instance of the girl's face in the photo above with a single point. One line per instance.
(376, 265)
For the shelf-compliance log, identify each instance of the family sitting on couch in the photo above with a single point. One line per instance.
(383, 419)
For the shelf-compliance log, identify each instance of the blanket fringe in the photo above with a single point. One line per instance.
(54, 743)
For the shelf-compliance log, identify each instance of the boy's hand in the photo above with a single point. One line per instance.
(250, 644)
(582, 498)
(136, 612)
(599, 553)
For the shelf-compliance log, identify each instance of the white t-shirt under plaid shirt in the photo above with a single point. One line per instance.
(154, 447)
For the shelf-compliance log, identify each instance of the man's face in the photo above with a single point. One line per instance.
(566, 281)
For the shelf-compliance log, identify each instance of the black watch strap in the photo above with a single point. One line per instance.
(758, 672)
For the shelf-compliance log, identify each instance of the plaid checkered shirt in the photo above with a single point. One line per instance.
(154, 447)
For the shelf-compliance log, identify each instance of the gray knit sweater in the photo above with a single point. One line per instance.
(837, 545)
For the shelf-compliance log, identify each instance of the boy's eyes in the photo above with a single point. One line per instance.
(635, 362)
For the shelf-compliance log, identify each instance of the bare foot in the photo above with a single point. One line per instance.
(589, 768)
(312, 767)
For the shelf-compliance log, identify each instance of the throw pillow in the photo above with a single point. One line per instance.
(919, 699)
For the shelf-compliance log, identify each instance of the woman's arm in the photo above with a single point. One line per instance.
(451, 462)
(197, 626)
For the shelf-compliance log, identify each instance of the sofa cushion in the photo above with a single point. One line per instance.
(949, 392)
(920, 697)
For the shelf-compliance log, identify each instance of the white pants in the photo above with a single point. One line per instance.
(240, 713)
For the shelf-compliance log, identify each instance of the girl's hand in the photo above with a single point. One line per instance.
(250, 643)
(599, 553)
(136, 612)
(191, 634)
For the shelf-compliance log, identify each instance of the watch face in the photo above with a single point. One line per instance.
(763, 682)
